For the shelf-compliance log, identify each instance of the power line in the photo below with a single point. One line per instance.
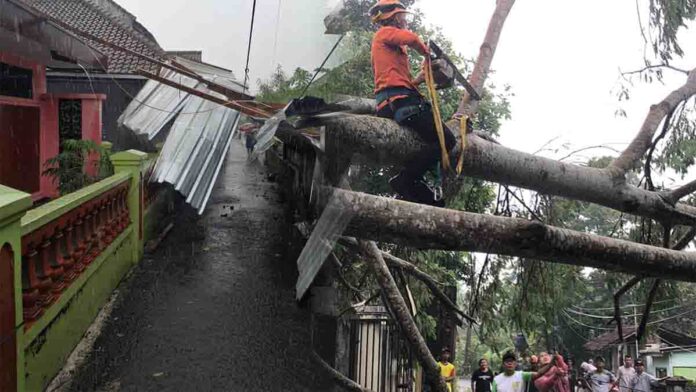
(277, 29)
(597, 316)
(569, 317)
(672, 317)
(251, 34)
(623, 306)
(322, 65)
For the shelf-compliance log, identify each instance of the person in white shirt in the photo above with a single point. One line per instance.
(626, 374)
(512, 380)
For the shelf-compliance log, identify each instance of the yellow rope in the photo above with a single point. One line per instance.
(430, 82)
(462, 132)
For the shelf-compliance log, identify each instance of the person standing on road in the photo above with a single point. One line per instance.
(482, 378)
(250, 143)
(600, 380)
(512, 380)
(626, 374)
(643, 382)
(447, 370)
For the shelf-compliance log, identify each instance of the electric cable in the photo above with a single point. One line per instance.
(564, 313)
(623, 306)
(322, 65)
(277, 29)
(251, 34)
(605, 317)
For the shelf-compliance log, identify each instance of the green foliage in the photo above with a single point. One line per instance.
(280, 88)
(667, 17)
(68, 167)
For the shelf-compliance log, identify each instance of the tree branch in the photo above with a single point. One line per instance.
(338, 377)
(649, 67)
(426, 227)
(373, 257)
(639, 146)
(484, 60)
(617, 307)
(417, 273)
(677, 194)
(646, 311)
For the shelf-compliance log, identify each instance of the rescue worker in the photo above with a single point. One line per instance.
(398, 98)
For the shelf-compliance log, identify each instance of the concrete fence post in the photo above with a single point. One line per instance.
(13, 205)
(134, 163)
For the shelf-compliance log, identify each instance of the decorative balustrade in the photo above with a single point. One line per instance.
(56, 253)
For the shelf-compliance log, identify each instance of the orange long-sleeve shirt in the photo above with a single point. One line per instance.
(390, 59)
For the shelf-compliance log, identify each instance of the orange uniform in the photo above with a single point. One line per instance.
(390, 60)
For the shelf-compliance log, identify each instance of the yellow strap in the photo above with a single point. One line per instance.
(430, 82)
(462, 132)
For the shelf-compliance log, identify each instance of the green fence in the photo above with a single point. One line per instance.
(64, 259)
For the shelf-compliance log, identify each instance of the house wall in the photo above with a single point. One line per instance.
(677, 364)
(19, 147)
(22, 133)
(119, 91)
(660, 362)
(684, 364)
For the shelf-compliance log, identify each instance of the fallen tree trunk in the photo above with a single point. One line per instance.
(382, 141)
(414, 225)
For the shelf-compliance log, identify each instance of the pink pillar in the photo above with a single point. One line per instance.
(48, 144)
(92, 126)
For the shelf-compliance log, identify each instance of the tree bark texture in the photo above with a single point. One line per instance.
(397, 304)
(420, 226)
(382, 141)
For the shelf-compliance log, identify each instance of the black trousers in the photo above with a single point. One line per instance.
(416, 114)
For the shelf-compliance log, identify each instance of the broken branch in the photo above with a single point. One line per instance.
(340, 379)
(639, 146)
(397, 304)
(417, 273)
(677, 194)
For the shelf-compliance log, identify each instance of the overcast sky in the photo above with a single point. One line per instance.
(561, 58)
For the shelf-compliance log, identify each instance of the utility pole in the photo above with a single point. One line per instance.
(635, 324)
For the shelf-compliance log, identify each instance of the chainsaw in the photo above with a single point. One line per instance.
(446, 73)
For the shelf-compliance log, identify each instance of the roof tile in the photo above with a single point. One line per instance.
(83, 15)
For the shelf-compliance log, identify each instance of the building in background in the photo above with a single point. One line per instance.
(666, 353)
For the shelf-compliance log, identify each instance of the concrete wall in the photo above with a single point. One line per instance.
(677, 364)
(119, 91)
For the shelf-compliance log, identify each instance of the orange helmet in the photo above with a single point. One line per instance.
(385, 9)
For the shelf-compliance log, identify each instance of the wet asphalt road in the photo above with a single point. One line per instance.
(212, 309)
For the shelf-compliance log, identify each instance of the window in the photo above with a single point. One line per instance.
(661, 372)
(69, 120)
(15, 81)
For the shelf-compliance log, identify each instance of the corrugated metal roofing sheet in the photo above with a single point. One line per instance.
(198, 140)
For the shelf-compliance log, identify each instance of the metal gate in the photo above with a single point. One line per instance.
(8, 341)
(380, 358)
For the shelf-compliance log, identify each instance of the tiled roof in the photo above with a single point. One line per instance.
(611, 338)
(88, 16)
